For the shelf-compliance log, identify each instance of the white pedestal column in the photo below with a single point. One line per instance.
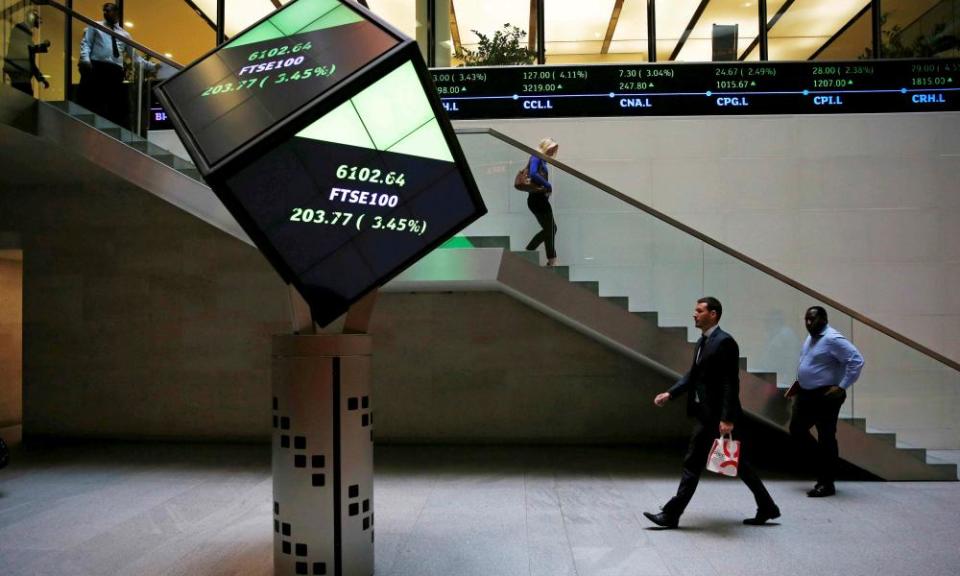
(322, 455)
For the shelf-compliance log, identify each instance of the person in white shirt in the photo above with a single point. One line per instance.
(102, 68)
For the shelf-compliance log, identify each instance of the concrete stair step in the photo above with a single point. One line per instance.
(490, 241)
(770, 377)
(619, 301)
(531, 256)
(651, 317)
(561, 271)
(182, 163)
(858, 423)
(150, 148)
(587, 285)
(168, 159)
(192, 172)
(675, 332)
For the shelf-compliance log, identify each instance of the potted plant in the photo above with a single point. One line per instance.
(505, 48)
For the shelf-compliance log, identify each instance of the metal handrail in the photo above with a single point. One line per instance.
(722, 247)
(129, 42)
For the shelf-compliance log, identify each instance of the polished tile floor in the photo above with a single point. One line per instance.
(145, 510)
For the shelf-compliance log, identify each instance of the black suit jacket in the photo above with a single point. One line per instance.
(717, 375)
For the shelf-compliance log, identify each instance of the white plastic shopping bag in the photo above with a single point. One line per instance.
(724, 457)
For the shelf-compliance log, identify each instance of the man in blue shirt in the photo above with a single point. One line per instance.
(829, 364)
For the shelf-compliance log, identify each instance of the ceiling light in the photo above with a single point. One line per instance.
(128, 24)
(168, 55)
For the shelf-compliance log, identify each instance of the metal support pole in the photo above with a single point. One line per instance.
(652, 30)
(541, 44)
(221, 21)
(68, 53)
(762, 9)
(431, 33)
(877, 28)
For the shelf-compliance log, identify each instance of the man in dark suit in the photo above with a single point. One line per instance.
(712, 386)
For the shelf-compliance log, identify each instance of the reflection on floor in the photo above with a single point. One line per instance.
(122, 509)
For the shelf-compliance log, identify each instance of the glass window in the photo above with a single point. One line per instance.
(851, 43)
(672, 20)
(468, 18)
(808, 27)
(629, 42)
(920, 28)
(725, 30)
(410, 17)
(169, 28)
(578, 31)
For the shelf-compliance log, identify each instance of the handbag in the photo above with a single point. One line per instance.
(724, 457)
(523, 182)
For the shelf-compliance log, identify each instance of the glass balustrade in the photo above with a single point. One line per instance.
(664, 268)
(114, 95)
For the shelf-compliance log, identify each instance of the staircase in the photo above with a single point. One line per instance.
(171, 177)
(491, 265)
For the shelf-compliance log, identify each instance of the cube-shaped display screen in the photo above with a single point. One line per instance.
(350, 198)
(270, 70)
(341, 167)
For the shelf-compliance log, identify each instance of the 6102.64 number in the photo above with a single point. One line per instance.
(372, 175)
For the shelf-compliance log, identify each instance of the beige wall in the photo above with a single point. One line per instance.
(11, 341)
(482, 367)
(862, 208)
(139, 320)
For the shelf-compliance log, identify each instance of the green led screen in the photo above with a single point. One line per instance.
(343, 177)
(265, 73)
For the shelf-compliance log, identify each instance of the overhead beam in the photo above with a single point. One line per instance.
(611, 26)
(773, 21)
(840, 32)
(541, 30)
(532, 27)
(693, 24)
(652, 30)
(455, 30)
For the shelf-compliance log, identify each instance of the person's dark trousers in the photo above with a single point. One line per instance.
(816, 408)
(102, 92)
(25, 87)
(704, 433)
(539, 204)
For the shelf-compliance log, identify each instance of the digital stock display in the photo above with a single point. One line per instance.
(699, 89)
(350, 198)
(265, 73)
(320, 132)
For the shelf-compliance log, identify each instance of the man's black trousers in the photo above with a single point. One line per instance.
(704, 433)
(816, 408)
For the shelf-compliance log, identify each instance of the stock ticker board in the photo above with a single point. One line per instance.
(320, 132)
(681, 89)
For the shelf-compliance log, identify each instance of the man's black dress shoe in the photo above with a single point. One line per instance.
(762, 516)
(663, 519)
(822, 490)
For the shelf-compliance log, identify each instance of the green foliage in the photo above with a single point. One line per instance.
(505, 48)
(924, 46)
